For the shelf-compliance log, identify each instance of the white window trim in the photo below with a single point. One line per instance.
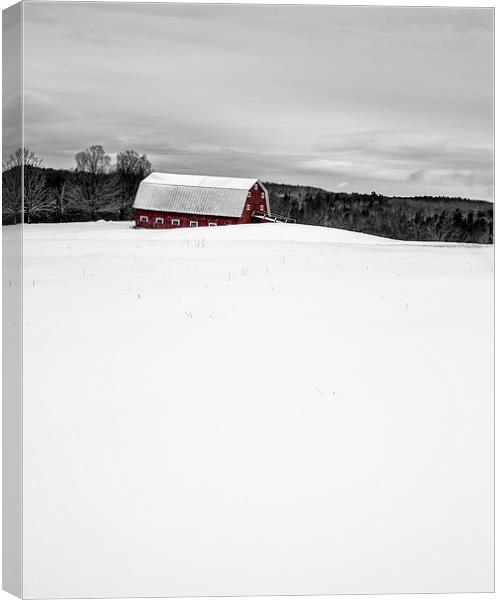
(261, 208)
(193, 223)
(159, 221)
(143, 219)
(176, 222)
(248, 206)
(262, 195)
(210, 224)
(249, 195)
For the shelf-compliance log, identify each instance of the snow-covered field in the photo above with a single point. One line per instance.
(259, 409)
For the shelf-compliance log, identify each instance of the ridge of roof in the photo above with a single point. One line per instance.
(200, 181)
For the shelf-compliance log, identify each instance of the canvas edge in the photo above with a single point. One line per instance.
(12, 332)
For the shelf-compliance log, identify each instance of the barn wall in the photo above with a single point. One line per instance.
(182, 217)
(254, 203)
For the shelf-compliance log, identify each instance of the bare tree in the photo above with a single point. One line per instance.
(37, 199)
(22, 156)
(92, 188)
(93, 160)
(60, 199)
(24, 164)
(131, 168)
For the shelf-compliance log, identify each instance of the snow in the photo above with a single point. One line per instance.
(255, 409)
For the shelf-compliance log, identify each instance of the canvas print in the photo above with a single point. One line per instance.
(247, 299)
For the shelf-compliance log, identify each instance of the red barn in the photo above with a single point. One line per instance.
(166, 200)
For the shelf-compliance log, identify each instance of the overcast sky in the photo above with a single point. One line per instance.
(397, 100)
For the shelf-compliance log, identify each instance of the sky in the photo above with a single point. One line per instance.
(392, 99)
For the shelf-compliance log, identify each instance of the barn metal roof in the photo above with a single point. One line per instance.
(195, 194)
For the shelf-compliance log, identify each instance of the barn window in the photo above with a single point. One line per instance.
(159, 221)
(262, 195)
(143, 219)
(212, 224)
(193, 223)
(176, 222)
(255, 186)
(248, 206)
(261, 207)
(249, 195)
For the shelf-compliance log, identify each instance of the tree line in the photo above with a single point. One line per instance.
(95, 189)
(424, 218)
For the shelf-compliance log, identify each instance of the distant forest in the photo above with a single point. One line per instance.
(98, 189)
(425, 218)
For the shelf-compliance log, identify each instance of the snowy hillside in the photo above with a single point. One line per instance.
(286, 403)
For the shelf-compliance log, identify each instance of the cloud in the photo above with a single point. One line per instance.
(325, 164)
(416, 175)
(441, 177)
(182, 84)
